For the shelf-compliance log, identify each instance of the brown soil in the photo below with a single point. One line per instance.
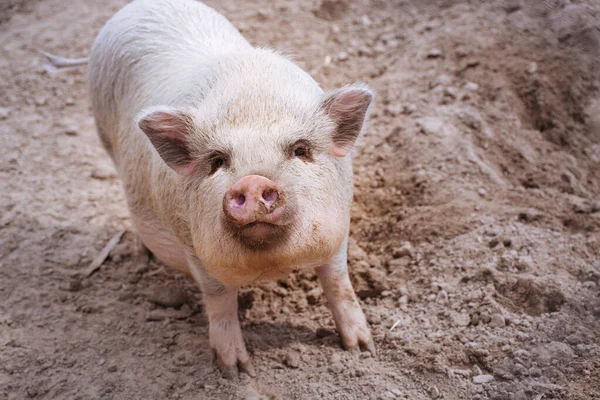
(475, 238)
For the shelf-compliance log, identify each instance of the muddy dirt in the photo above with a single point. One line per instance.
(475, 237)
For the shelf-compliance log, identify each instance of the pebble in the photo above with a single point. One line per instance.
(432, 126)
(314, 295)
(335, 358)
(434, 53)
(70, 130)
(471, 86)
(75, 285)
(112, 368)
(405, 250)
(524, 263)
(336, 368)
(442, 80)
(394, 109)
(162, 314)
(533, 67)
(292, 359)
(442, 297)
(451, 92)
(482, 192)
(342, 56)
(558, 351)
(519, 369)
(167, 296)
(324, 332)
(481, 379)
(4, 113)
(497, 321)
(461, 319)
(103, 172)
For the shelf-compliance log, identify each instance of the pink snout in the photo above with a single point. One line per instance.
(254, 198)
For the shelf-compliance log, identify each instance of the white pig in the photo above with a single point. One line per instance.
(236, 166)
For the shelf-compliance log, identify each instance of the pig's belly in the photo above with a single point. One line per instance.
(162, 243)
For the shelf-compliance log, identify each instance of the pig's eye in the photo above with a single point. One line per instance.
(217, 161)
(302, 150)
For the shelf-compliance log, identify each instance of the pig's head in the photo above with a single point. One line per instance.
(265, 168)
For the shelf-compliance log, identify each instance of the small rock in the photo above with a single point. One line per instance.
(75, 285)
(482, 192)
(4, 113)
(451, 92)
(112, 368)
(324, 332)
(101, 361)
(524, 263)
(532, 68)
(102, 172)
(434, 53)
(434, 392)
(167, 296)
(442, 80)
(394, 109)
(535, 372)
(442, 297)
(335, 358)
(558, 351)
(471, 86)
(161, 314)
(461, 319)
(481, 379)
(342, 56)
(70, 130)
(314, 295)
(292, 359)
(331, 10)
(336, 368)
(373, 317)
(520, 370)
(40, 101)
(497, 321)
(433, 126)
(406, 250)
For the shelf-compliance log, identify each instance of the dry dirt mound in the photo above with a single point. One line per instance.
(475, 238)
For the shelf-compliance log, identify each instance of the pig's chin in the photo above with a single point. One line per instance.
(261, 235)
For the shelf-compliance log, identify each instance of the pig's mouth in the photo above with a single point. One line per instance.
(260, 235)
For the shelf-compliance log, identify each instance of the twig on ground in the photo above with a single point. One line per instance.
(101, 257)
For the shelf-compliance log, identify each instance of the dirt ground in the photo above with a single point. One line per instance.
(475, 237)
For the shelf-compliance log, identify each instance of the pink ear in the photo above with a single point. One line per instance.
(347, 108)
(168, 131)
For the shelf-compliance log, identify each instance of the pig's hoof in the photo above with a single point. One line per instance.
(231, 370)
(362, 341)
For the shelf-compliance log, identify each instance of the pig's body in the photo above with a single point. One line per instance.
(173, 83)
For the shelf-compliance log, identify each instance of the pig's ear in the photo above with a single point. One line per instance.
(348, 108)
(168, 130)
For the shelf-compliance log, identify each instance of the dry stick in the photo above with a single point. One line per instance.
(101, 257)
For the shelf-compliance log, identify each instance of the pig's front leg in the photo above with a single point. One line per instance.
(224, 331)
(349, 318)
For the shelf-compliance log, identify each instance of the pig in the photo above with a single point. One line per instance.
(236, 165)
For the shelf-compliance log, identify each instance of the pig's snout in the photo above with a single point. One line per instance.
(254, 198)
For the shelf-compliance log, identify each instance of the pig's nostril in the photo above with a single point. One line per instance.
(239, 199)
(270, 196)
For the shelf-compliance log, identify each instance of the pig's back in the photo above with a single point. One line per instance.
(152, 52)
